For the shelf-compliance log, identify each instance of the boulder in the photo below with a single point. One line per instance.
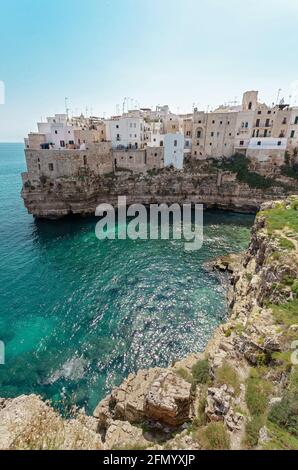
(218, 402)
(169, 399)
(127, 401)
(121, 434)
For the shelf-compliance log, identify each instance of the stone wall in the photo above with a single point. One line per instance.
(54, 164)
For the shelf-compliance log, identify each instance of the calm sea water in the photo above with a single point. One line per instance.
(79, 314)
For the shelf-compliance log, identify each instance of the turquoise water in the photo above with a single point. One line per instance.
(79, 314)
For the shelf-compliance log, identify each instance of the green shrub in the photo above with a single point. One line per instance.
(280, 439)
(184, 374)
(252, 430)
(295, 287)
(239, 164)
(287, 313)
(226, 374)
(257, 392)
(201, 372)
(286, 244)
(213, 437)
(289, 171)
(285, 413)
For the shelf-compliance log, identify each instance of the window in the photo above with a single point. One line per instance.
(220, 122)
(279, 143)
(213, 122)
(199, 122)
(267, 124)
(198, 134)
(155, 154)
(175, 143)
(296, 120)
(284, 121)
(71, 142)
(210, 144)
(161, 143)
(259, 142)
(265, 132)
(39, 166)
(117, 126)
(250, 105)
(259, 112)
(187, 143)
(258, 123)
(292, 134)
(241, 142)
(212, 134)
(228, 123)
(62, 143)
(118, 137)
(268, 112)
(51, 167)
(85, 160)
(246, 125)
(56, 132)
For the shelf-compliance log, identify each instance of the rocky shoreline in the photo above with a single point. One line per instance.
(234, 395)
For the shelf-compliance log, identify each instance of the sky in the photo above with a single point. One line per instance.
(176, 52)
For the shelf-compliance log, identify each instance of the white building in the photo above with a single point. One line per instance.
(126, 132)
(293, 129)
(58, 132)
(174, 150)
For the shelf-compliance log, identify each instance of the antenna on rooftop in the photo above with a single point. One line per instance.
(66, 107)
(278, 95)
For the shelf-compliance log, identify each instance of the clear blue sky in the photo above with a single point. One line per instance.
(175, 52)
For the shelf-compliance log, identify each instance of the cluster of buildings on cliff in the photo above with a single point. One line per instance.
(146, 139)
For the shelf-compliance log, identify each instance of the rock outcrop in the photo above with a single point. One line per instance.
(202, 185)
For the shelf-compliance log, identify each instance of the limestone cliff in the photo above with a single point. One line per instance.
(242, 392)
(200, 184)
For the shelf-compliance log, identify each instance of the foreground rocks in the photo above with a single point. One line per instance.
(154, 394)
(26, 422)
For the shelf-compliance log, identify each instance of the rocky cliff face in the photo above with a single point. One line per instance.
(206, 185)
(242, 392)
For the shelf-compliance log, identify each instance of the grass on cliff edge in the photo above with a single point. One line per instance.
(214, 436)
(279, 218)
(257, 393)
(286, 314)
(226, 374)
